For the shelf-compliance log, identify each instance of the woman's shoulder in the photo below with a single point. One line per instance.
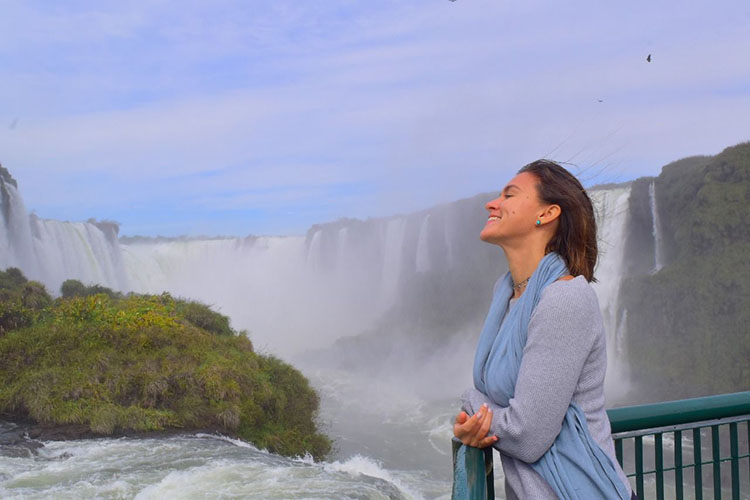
(573, 297)
(576, 290)
(568, 306)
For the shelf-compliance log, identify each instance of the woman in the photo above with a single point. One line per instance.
(540, 363)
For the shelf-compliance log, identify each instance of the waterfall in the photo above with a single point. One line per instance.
(342, 241)
(423, 249)
(449, 236)
(612, 213)
(294, 293)
(655, 228)
(15, 231)
(77, 250)
(51, 251)
(314, 251)
(392, 257)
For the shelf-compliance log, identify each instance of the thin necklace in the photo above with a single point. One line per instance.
(518, 286)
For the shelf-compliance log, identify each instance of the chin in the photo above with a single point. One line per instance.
(488, 237)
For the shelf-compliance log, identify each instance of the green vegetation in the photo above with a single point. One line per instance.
(689, 336)
(145, 363)
(74, 288)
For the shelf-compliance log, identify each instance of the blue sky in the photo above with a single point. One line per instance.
(258, 117)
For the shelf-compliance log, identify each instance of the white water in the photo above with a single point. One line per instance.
(51, 251)
(392, 437)
(656, 227)
(612, 220)
(392, 258)
(197, 466)
(424, 262)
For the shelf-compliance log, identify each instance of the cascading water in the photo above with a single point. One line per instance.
(51, 251)
(313, 252)
(77, 250)
(15, 231)
(423, 249)
(342, 243)
(656, 228)
(449, 240)
(612, 211)
(392, 257)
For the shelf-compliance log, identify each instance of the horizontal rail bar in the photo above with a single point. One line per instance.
(710, 462)
(683, 411)
(681, 427)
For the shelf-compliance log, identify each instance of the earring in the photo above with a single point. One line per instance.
(538, 222)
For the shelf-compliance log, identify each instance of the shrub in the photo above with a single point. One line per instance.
(13, 316)
(202, 316)
(74, 288)
(11, 279)
(34, 295)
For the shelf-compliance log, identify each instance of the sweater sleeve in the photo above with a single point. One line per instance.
(560, 338)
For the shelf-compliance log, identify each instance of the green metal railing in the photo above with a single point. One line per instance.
(642, 433)
(685, 425)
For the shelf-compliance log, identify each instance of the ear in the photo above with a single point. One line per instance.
(550, 213)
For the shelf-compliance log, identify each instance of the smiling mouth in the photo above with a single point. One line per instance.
(492, 218)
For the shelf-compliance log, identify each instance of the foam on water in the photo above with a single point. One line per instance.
(188, 467)
(227, 439)
(365, 466)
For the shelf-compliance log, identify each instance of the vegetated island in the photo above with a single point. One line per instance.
(98, 363)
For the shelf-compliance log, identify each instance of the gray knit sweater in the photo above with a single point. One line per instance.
(565, 359)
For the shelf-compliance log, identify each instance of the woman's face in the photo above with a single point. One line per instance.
(514, 213)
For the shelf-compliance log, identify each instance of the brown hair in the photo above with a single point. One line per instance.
(575, 239)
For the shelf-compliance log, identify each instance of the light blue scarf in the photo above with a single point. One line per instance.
(575, 466)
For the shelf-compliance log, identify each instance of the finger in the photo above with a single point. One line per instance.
(481, 441)
(458, 429)
(466, 431)
(473, 425)
(475, 422)
(486, 423)
(464, 425)
(481, 418)
(478, 432)
(488, 441)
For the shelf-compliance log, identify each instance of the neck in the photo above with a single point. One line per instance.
(522, 262)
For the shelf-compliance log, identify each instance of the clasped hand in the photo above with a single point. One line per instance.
(472, 431)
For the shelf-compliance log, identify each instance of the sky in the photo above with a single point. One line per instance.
(265, 117)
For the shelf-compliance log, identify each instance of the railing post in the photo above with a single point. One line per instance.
(698, 467)
(659, 465)
(716, 449)
(473, 474)
(734, 453)
(639, 467)
(678, 464)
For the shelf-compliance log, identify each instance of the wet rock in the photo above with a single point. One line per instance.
(15, 441)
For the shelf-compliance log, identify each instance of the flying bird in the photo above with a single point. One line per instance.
(13, 123)
(648, 59)
(600, 100)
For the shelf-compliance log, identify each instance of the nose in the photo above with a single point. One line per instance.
(492, 204)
